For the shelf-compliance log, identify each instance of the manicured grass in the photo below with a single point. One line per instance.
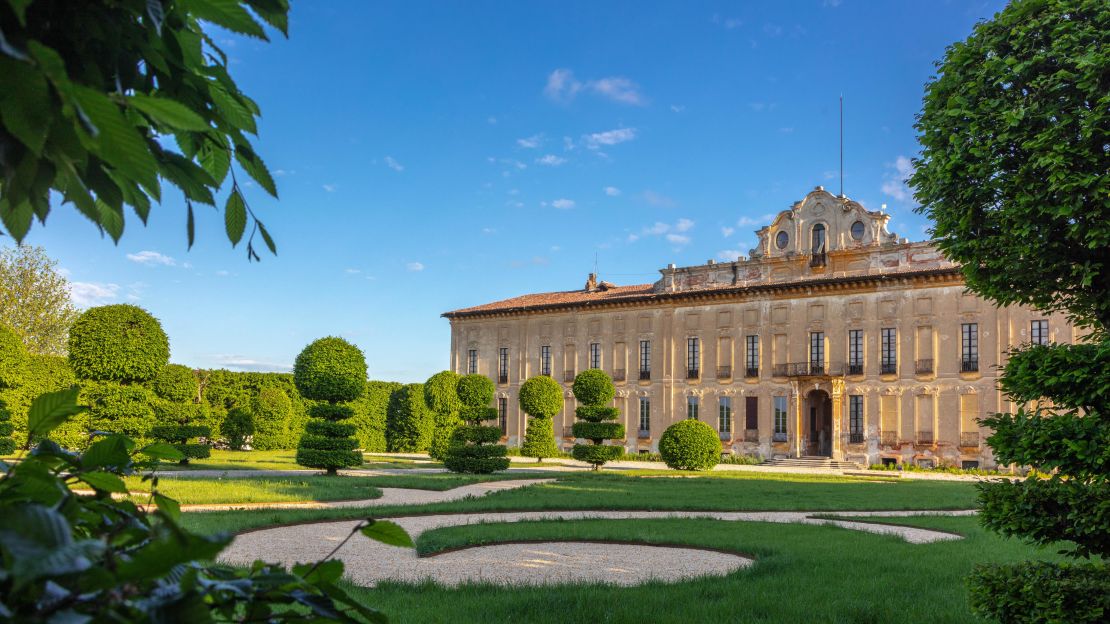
(802, 574)
(282, 460)
(721, 491)
(258, 489)
(441, 481)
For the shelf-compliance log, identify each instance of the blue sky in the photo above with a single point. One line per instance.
(432, 156)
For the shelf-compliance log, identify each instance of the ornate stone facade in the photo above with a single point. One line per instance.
(833, 338)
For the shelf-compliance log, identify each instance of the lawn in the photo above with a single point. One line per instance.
(802, 574)
(718, 491)
(282, 460)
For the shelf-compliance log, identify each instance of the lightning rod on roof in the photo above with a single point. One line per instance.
(842, 145)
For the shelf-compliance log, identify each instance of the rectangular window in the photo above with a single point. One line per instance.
(969, 347)
(724, 415)
(693, 358)
(817, 353)
(780, 419)
(472, 362)
(503, 365)
(855, 418)
(751, 356)
(503, 414)
(855, 351)
(751, 413)
(545, 360)
(692, 407)
(889, 351)
(645, 417)
(1038, 332)
(595, 355)
(645, 359)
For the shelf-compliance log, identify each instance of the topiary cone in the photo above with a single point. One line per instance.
(594, 388)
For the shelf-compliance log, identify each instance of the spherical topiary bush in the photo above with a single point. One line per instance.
(122, 343)
(175, 383)
(593, 387)
(541, 398)
(475, 390)
(333, 371)
(13, 358)
(690, 445)
(237, 428)
(442, 397)
(473, 446)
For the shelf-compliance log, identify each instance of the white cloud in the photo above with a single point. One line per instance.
(352, 271)
(279, 173)
(832, 4)
(222, 273)
(329, 188)
(728, 23)
(489, 230)
(678, 239)
(657, 229)
(393, 164)
(759, 221)
(491, 120)
(531, 142)
(563, 204)
(151, 258)
(414, 267)
(609, 137)
(683, 225)
(87, 294)
(612, 191)
(551, 160)
(658, 199)
(729, 255)
(563, 87)
(894, 183)
(245, 363)
(772, 30)
(677, 108)
(727, 231)
(672, 232)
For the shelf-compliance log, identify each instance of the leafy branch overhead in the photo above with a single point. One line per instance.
(103, 101)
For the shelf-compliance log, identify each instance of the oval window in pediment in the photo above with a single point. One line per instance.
(782, 239)
(857, 230)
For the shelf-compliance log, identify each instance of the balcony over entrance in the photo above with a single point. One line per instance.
(808, 369)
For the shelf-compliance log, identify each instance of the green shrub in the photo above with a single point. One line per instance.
(409, 423)
(330, 369)
(690, 445)
(594, 388)
(179, 436)
(115, 408)
(472, 447)
(7, 444)
(442, 398)
(42, 374)
(1039, 592)
(175, 383)
(13, 358)
(371, 414)
(121, 343)
(329, 429)
(237, 428)
(541, 397)
(539, 439)
(741, 460)
(271, 409)
(475, 390)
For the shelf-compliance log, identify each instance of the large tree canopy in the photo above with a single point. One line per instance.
(93, 94)
(34, 299)
(1015, 161)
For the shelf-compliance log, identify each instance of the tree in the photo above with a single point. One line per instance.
(120, 343)
(331, 371)
(442, 398)
(1014, 173)
(34, 299)
(474, 447)
(594, 388)
(409, 422)
(91, 92)
(271, 409)
(541, 398)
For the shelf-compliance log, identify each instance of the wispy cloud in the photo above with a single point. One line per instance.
(677, 108)
(392, 163)
(151, 258)
(329, 188)
(88, 294)
(249, 364)
(352, 271)
(727, 231)
(551, 160)
(674, 233)
(563, 87)
(414, 267)
(658, 199)
(894, 183)
(831, 4)
(759, 221)
(531, 142)
(563, 203)
(729, 255)
(597, 140)
(728, 23)
(678, 239)
(612, 191)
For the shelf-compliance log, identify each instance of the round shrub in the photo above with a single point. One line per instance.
(475, 390)
(121, 343)
(409, 423)
(330, 369)
(13, 358)
(690, 445)
(541, 397)
(237, 428)
(593, 387)
(272, 409)
(441, 392)
(175, 383)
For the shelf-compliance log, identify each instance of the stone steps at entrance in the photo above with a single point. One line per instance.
(813, 462)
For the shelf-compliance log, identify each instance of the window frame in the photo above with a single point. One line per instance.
(595, 355)
(969, 347)
(724, 414)
(781, 414)
(693, 407)
(545, 360)
(645, 356)
(1038, 331)
(855, 347)
(855, 414)
(888, 350)
(693, 354)
(817, 350)
(503, 364)
(472, 361)
(503, 414)
(645, 413)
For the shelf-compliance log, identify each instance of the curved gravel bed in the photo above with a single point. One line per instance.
(368, 562)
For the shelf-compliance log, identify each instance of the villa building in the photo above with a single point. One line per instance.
(833, 338)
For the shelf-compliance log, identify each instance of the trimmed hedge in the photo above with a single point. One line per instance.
(121, 343)
(179, 436)
(477, 434)
(175, 383)
(541, 397)
(7, 444)
(272, 409)
(330, 369)
(539, 439)
(594, 388)
(329, 429)
(329, 460)
(690, 445)
(115, 408)
(370, 415)
(409, 422)
(13, 358)
(237, 428)
(442, 398)
(45, 373)
(1039, 592)
(472, 447)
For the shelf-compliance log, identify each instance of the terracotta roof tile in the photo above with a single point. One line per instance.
(569, 297)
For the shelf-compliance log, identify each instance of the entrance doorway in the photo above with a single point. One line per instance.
(818, 416)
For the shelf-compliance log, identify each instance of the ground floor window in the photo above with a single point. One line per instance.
(724, 415)
(645, 414)
(503, 414)
(692, 407)
(855, 418)
(780, 417)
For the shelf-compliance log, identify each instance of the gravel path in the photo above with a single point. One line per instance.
(368, 562)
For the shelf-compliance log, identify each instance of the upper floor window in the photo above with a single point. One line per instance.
(645, 359)
(889, 351)
(751, 356)
(503, 364)
(472, 362)
(969, 347)
(855, 351)
(1038, 332)
(693, 357)
(782, 239)
(818, 238)
(595, 355)
(545, 360)
(692, 407)
(817, 352)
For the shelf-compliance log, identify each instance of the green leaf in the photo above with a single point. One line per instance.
(387, 533)
(119, 143)
(168, 506)
(190, 225)
(275, 12)
(17, 219)
(232, 110)
(266, 237)
(157, 14)
(113, 451)
(215, 157)
(328, 571)
(235, 217)
(104, 482)
(226, 13)
(25, 105)
(52, 409)
(162, 450)
(111, 219)
(169, 112)
(190, 178)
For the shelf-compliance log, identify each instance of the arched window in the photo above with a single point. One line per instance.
(819, 238)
